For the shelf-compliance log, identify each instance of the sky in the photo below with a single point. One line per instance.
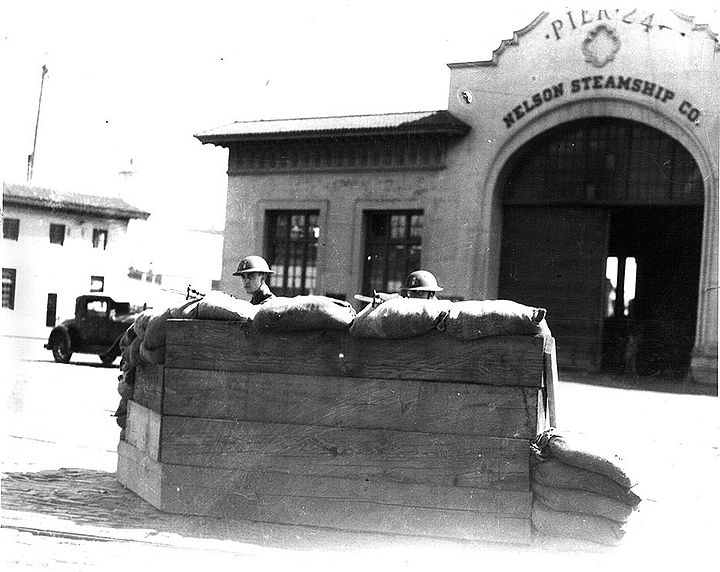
(130, 83)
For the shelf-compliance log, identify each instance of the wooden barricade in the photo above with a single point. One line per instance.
(427, 436)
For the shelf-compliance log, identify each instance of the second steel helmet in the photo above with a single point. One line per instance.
(421, 280)
(252, 264)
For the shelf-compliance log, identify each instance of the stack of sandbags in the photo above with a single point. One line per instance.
(577, 492)
(220, 306)
(400, 318)
(126, 380)
(474, 319)
(144, 340)
(303, 313)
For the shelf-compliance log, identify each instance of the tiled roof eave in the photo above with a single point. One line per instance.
(450, 130)
(107, 212)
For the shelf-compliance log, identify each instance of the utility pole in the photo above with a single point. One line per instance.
(31, 157)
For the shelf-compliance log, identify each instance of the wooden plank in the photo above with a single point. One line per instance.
(142, 429)
(375, 454)
(435, 356)
(149, 386)
(353, 402)
(140, 474)
(551, 378)
(349, 504)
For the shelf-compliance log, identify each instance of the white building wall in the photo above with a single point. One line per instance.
(43, 268)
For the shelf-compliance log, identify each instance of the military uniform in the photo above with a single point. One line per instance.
(261, 295)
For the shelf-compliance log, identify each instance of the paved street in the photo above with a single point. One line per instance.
(63, 509)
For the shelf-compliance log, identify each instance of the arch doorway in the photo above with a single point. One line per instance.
(602, 225)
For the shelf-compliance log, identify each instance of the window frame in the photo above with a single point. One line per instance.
(12, 231)
(97, 233)
(372, 242)
(279, 282)
(12, 278)
(56, 228)
(100, 279)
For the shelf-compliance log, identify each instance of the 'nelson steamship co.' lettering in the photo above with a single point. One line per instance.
(596, 82)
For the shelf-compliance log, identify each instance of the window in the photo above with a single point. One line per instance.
(8, 288)
(97, 283)
(11, 228)
(100, 237)
(392, 248)
(291, 246)
(51, 310)
(57, 234)
(96, 309)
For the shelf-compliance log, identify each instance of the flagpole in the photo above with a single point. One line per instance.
(31, 157)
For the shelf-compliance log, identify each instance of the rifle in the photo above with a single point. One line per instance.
(377, 298)
(196, 293)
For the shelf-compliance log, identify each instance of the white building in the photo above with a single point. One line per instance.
(55, 247)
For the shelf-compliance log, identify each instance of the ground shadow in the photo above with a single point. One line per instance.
(96, 501)
(642, 383)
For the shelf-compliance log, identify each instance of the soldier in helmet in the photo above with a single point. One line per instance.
(254, 271)
(420, 284)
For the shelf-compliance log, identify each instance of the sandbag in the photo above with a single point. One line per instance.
(303, 313)
(583, 453)
(187, 311)
(125, 389)
(553, 473)
(121, 414)
(143, 319)
(221, 306)
(156, 356)
(156, 330)
(131, 356)
(583, 502)
(399, 318)
(127, 338)
(571, 525)
(474, 319)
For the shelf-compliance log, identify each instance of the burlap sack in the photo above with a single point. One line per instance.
(156, 356)
(143, 319)
(303, 313)
(399, 318)
(583, 502)
(582, 452)
(156, 330)
(220, 306)
(187, 311)
(125, 389)
(473, 319)
(121, 413)
(553, 473)
(127, 338)
(131, 355)
(570, 525)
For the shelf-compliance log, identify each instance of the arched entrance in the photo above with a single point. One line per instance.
(602, 225)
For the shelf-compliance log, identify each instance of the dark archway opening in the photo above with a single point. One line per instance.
(602, 225)
(652, 274)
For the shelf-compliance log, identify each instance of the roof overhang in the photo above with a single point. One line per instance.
(417, 123)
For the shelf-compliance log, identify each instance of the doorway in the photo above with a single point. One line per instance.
(652, 280)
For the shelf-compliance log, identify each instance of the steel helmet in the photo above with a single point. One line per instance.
(421, 280)
(252, 264)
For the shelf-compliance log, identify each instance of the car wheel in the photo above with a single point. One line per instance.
(61, 348)
(109, 357)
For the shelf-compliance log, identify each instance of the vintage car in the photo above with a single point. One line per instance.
(97, 327)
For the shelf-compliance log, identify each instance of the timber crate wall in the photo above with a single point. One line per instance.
(426, 436)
